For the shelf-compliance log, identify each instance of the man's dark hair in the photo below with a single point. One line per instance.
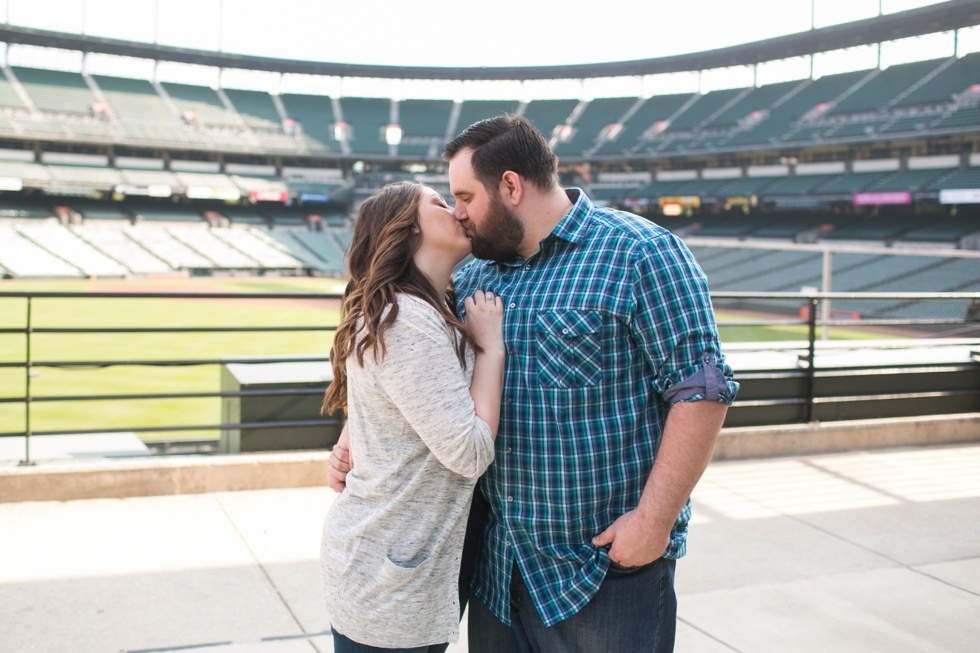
(507, 143)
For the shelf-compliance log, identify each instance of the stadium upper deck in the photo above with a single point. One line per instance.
(911, 101)
(794, 160)
(929, 98)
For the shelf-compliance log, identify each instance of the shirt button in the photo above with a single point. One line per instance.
(510, 499)
(527, 267)
(513, 305)
(509, 450)
(564, 330)
(506, 542)
(509, 400)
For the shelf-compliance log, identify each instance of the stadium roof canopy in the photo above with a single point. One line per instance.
(941, 17)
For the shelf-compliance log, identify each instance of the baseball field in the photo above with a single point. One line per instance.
(85, 377)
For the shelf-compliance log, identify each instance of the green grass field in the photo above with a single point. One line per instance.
(105, 312)
(87, 380)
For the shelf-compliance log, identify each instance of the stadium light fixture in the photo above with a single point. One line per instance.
(393, 134)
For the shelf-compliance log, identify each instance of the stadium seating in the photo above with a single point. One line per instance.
(286, 217)
(367, 118)
(162, 244)
(955, 77)
(798, 102)
(797, 184)
(241, 216)
(66, 245)
(30, 173)
(103, 178)
(659, 135)
(728, 225)
(8, 96)
(847, 184)
(878, 229)
(964, 117)
(314, 113)
(259, 112)
(116, 243)
(599, 113)
(254, 244)
(215, 249)
(161, 212)
(23, 258)
(791, 226)
(885, 86)
(56, 91)
(910, 180)
(424, 124)
(700, 187)
(653, 110)
(946, 230)
(342, 236)
(751, 270)
(14, 209)
(474, 110)
(256, 108)
(258, 183)
(546, 115)
(756, 100)
(849, 107)
(324, 246)
(293, 245)
(94, 211)
(204, 103)
(139, 177)
(959, 178)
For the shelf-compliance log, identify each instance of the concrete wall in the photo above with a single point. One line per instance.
(63, 481)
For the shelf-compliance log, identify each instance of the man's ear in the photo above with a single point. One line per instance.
(511, 188)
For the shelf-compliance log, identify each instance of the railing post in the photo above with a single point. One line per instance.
(27, 388)
(811, 358)
(828, 271)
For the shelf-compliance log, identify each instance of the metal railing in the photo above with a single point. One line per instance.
(810, 319)
(30, 364)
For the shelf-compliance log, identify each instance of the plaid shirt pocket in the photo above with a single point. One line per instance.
(569, 348)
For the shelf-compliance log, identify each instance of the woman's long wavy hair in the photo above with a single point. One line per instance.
(380, 264)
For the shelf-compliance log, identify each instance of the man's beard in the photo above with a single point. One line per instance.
(500, 234)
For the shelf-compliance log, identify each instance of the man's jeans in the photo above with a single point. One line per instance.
(634, 611)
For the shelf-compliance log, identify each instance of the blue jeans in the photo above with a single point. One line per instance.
(634, 611)
(342, 644)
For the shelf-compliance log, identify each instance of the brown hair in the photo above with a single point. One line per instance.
(506, 143)
(380, 264)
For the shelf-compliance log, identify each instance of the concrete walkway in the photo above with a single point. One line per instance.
(870, 551)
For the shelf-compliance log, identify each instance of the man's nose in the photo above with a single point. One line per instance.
(458, 212)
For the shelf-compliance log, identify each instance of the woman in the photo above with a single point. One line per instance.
(422, 393)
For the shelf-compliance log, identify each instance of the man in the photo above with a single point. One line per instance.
(614, 394)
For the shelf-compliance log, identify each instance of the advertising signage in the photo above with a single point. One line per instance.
(887, 197)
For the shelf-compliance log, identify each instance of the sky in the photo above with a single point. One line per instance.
(463, 33)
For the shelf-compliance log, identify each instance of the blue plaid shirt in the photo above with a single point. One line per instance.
(605, 326)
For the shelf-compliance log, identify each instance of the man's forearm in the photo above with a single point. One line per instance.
(685, 449)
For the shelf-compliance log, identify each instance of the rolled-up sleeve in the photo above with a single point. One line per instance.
(673, 323)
